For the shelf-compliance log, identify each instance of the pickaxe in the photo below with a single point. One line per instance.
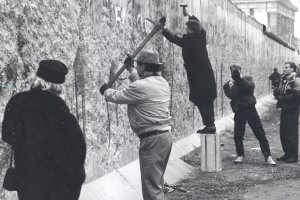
(162, 22)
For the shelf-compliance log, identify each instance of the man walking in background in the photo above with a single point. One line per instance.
(240, 90)
(288, 96)
(275, 78)
(199, 70)
(148, 99)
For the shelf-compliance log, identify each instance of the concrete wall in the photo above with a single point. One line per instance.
(93, 36)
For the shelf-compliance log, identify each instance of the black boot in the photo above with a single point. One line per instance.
(282, 158)
(291, 160)
(207, 130)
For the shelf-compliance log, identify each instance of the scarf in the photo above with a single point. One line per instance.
(287, 80)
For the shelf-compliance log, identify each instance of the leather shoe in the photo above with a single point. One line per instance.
(291, 160)
(207, 130)
(282, 158)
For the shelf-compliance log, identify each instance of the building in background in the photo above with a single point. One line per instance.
(277, 15)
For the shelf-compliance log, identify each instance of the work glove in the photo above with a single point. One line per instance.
(236, 76)
(129, 62)
(103, 88)
(161, 24)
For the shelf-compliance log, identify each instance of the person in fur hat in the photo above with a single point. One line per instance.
(288, 96)
(49, 146)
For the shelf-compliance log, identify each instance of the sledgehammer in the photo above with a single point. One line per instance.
(184, 10)
(156, 28)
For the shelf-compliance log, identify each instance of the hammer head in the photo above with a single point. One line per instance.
(183, 5)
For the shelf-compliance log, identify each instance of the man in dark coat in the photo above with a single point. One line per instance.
(240, 90)
(288, 96)
(199, 70)
(49, 146)
(275, 78)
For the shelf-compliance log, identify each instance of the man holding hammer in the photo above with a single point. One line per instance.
(198, 68)
(148, 99)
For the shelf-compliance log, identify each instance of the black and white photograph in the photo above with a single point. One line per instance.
(149, 99)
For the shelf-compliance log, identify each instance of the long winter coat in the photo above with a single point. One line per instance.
(198, 67)
(49, 146)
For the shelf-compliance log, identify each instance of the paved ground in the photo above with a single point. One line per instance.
(253, 180)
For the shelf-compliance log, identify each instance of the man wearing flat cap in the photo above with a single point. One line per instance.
(198, 69)
(148, 99)
(49, 146)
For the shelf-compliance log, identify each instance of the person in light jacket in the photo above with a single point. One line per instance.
(148, 100)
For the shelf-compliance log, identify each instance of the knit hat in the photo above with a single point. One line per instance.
(52, 71)
(194, 25)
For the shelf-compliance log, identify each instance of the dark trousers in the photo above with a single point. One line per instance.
(207, 114)
(240, 119)
(289, 132)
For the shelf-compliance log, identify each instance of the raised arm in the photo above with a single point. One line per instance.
(172, 37)
(245, 84)
(231, 92)
(133, 75)
(192, 17)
